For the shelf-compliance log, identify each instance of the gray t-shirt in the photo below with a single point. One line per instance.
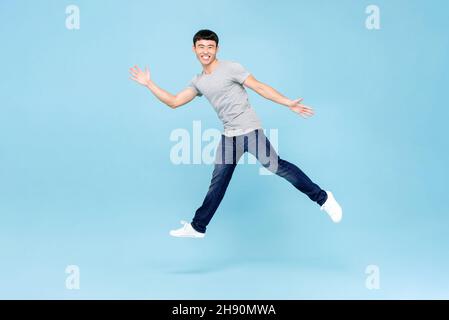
(224, 90)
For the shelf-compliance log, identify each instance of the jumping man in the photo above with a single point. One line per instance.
(223, 84)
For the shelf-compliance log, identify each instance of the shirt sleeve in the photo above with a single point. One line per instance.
(238, 72)
(192, 84)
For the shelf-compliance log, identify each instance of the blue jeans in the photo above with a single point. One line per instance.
(228, 154)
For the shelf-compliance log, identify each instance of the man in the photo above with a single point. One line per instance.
(222, 83)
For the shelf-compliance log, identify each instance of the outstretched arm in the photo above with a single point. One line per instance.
(271, 94)
(173, 101)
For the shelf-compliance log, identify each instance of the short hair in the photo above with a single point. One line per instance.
(205, 35)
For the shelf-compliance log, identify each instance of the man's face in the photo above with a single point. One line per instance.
(206, 51)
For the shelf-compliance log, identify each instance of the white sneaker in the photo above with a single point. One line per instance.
(186, 231)
(332, 208)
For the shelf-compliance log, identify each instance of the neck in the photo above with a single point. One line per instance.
(210, 67)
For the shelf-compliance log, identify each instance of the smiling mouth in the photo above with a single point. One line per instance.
(206, 58)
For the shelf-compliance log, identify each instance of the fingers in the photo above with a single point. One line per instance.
(306, 110)
(303, 110)
(133, 72)
(136, 70)
(297, 102)
(305, 116)
(138, 75)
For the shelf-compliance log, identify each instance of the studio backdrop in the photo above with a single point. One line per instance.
(95, 170)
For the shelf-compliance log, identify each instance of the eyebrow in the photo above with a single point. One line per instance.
(209, 45)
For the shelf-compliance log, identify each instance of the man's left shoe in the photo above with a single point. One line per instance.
(332, 208)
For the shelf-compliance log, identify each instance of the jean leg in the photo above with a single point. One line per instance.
(262, 149)
(225, 162)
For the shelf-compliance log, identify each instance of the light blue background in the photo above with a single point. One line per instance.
(86, 177)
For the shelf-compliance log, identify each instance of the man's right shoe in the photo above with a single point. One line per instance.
(186, 231)
(332, 208)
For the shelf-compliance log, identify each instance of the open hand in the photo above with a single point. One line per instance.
(303, 110)
(141, 77)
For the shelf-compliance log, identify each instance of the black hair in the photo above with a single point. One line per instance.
(205, 35)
